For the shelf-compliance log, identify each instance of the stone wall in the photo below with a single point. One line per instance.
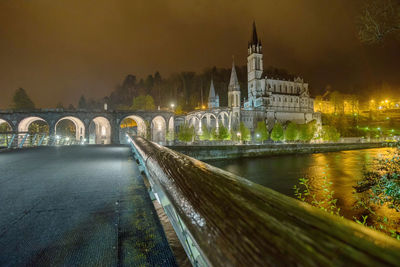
(244, 151)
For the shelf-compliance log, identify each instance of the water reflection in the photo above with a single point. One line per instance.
(281, 173)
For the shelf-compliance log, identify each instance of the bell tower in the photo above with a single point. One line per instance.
(254, 66)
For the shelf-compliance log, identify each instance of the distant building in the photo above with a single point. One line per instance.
(269, 100)
(336, 102)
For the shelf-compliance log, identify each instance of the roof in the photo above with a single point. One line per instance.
(234, 82)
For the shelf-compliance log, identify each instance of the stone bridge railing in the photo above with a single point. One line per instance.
(225, 220)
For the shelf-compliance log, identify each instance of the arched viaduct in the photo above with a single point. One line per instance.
(210, 118)
(96, 127)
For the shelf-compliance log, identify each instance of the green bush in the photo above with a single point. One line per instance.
(329, 133)
(186, 133)
(292, 132)
(223, 133)
(244, 132)
(277, 132)
(205, 133)
(262, 131)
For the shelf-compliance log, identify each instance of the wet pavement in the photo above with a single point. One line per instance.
(77, 206)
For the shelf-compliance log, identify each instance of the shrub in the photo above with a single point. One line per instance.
(244, 132)
(292, 132)
(277, 132)
(262, 131)
(223, 133)
(186, 133)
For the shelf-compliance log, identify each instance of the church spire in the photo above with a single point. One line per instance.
(254, 40)
(255, 43)
(213, 100)
(211, 94)
(234, 82)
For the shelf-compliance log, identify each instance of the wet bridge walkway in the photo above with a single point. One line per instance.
(77, 206)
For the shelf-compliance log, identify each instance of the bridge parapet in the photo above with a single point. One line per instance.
(224, 220)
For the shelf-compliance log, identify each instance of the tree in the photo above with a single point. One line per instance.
(82, 102)
(186, 133)
(379, 19)
(143, 102)
(262, 131)
(4, 127)
(214, 134)
(178, 110)
(205, 133)
(71, 107)
(21, 100)
(329, 133)
(244, 132)
(223, 133)
(277, 132)
(292, 132)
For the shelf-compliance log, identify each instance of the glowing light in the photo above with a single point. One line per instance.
(103, 130)
(172, 105)
(57, 137)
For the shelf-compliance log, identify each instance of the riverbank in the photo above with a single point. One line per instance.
(247, 151)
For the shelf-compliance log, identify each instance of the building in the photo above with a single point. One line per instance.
(268, 99)
(213, 99)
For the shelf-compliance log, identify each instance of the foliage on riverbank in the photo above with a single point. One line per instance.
(379, 187)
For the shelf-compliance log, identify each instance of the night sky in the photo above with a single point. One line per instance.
(59, 49)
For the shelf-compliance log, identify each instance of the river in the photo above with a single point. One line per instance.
(343, 169)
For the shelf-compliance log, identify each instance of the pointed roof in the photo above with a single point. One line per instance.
(212, 90)
(234, 82)
(254, 39)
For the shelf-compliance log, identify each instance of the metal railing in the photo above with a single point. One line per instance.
(225, 220)
(11, 140)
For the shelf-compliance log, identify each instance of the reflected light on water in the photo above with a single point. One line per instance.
(281, 173)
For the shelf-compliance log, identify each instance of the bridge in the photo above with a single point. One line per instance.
(95, 127)
(88, 205)
(77, 206)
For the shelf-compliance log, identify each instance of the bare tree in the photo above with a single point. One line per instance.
(379, 19)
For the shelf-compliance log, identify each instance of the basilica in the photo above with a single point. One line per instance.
(268, 99)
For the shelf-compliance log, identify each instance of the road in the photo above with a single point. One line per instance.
(77, 206)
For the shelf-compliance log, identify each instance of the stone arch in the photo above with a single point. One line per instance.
(158, 129)
(213, 121)
(195, 122)
(100, 131)
(139, 128)
(23, 125)
(209, 119)
(223, 119)
(79, 127)
(5, 128)
(7, 125)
